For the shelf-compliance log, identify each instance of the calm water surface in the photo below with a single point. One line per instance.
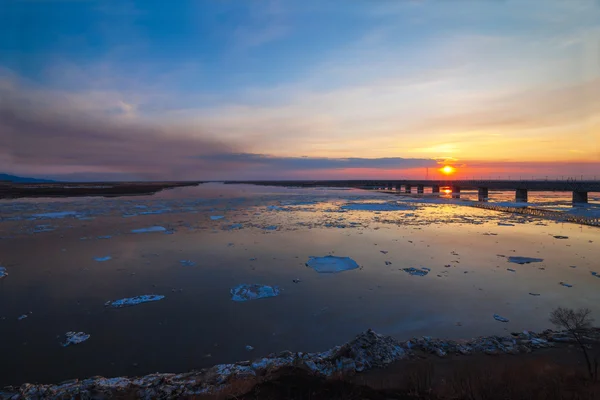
(54, 279)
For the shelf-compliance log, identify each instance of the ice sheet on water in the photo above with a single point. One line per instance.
(104, 237)
(75, 338)
(331, 264)
(499, 318)
(216, 217)
(270, 228)
(131, 301)
(523, 260)
(52, 215)
(376, 207)
(3, 272)
(101, 259)
(246, 292)
(149, 229)
(417, 272)
(187, 263)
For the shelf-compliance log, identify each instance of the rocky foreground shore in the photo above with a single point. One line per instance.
(367, 351)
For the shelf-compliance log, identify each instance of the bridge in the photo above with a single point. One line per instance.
(579, 189)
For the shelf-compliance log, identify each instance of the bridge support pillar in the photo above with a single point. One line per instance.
(407, 188)
(455, 192)
(398, 187)
(420, 189)
(580, 197)
(483, 194)
(521, 196)
(435, 189)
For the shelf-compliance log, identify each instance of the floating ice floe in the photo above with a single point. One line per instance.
(523, 260)
(131, 301)
(75, 338)
(233, 227)
(376, 207)
(331, 264)
(216, 217)
(149, 230)
(246, 292)
(101, 259)
(53, 215)
(417, 272)
(565, 284)
(187, 263)
(499, 318)
(43, 228)
(3, 272)
(22, 317)
(104, 237)
(249, 348)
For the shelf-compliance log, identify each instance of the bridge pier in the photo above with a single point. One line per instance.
(420, 189)
(435, 189)
(407, 188)
(455, 192)
(521, 196)
(483, 194)
(398, 187)
(580, 197)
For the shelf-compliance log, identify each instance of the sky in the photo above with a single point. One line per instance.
(314, 89)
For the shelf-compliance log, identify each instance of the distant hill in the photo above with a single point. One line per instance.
(19, 179)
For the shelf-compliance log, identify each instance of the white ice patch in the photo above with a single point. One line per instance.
(523, 260)
(52, 215)
(216, 217)
(3, 272)
(376, 207)
(132, 301)
(499, 318)
(102, 259)
(75, 338)
(417, 272)
(331, 264)
(245, 292)
(149, 230)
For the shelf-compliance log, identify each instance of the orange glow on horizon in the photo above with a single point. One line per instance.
(447, 170)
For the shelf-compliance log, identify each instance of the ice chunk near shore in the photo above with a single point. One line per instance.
(523, 260)
(246, 292)
(132, 301)
(416, 272)
(499, 318)
(216, 217)
(3, 272)
(149, 229)
(75, 338)
(376, 207)
(53, 215)
(331, 264)
(101, 259)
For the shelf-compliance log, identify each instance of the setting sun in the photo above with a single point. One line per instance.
(448, 170)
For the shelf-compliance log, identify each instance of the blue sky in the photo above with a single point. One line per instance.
(473, 81)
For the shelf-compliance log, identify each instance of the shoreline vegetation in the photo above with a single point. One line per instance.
(525, 365)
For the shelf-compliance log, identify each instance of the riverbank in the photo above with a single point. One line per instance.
(360, 362)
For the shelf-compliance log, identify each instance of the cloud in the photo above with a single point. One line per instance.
(53, 139)
(266, 162)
